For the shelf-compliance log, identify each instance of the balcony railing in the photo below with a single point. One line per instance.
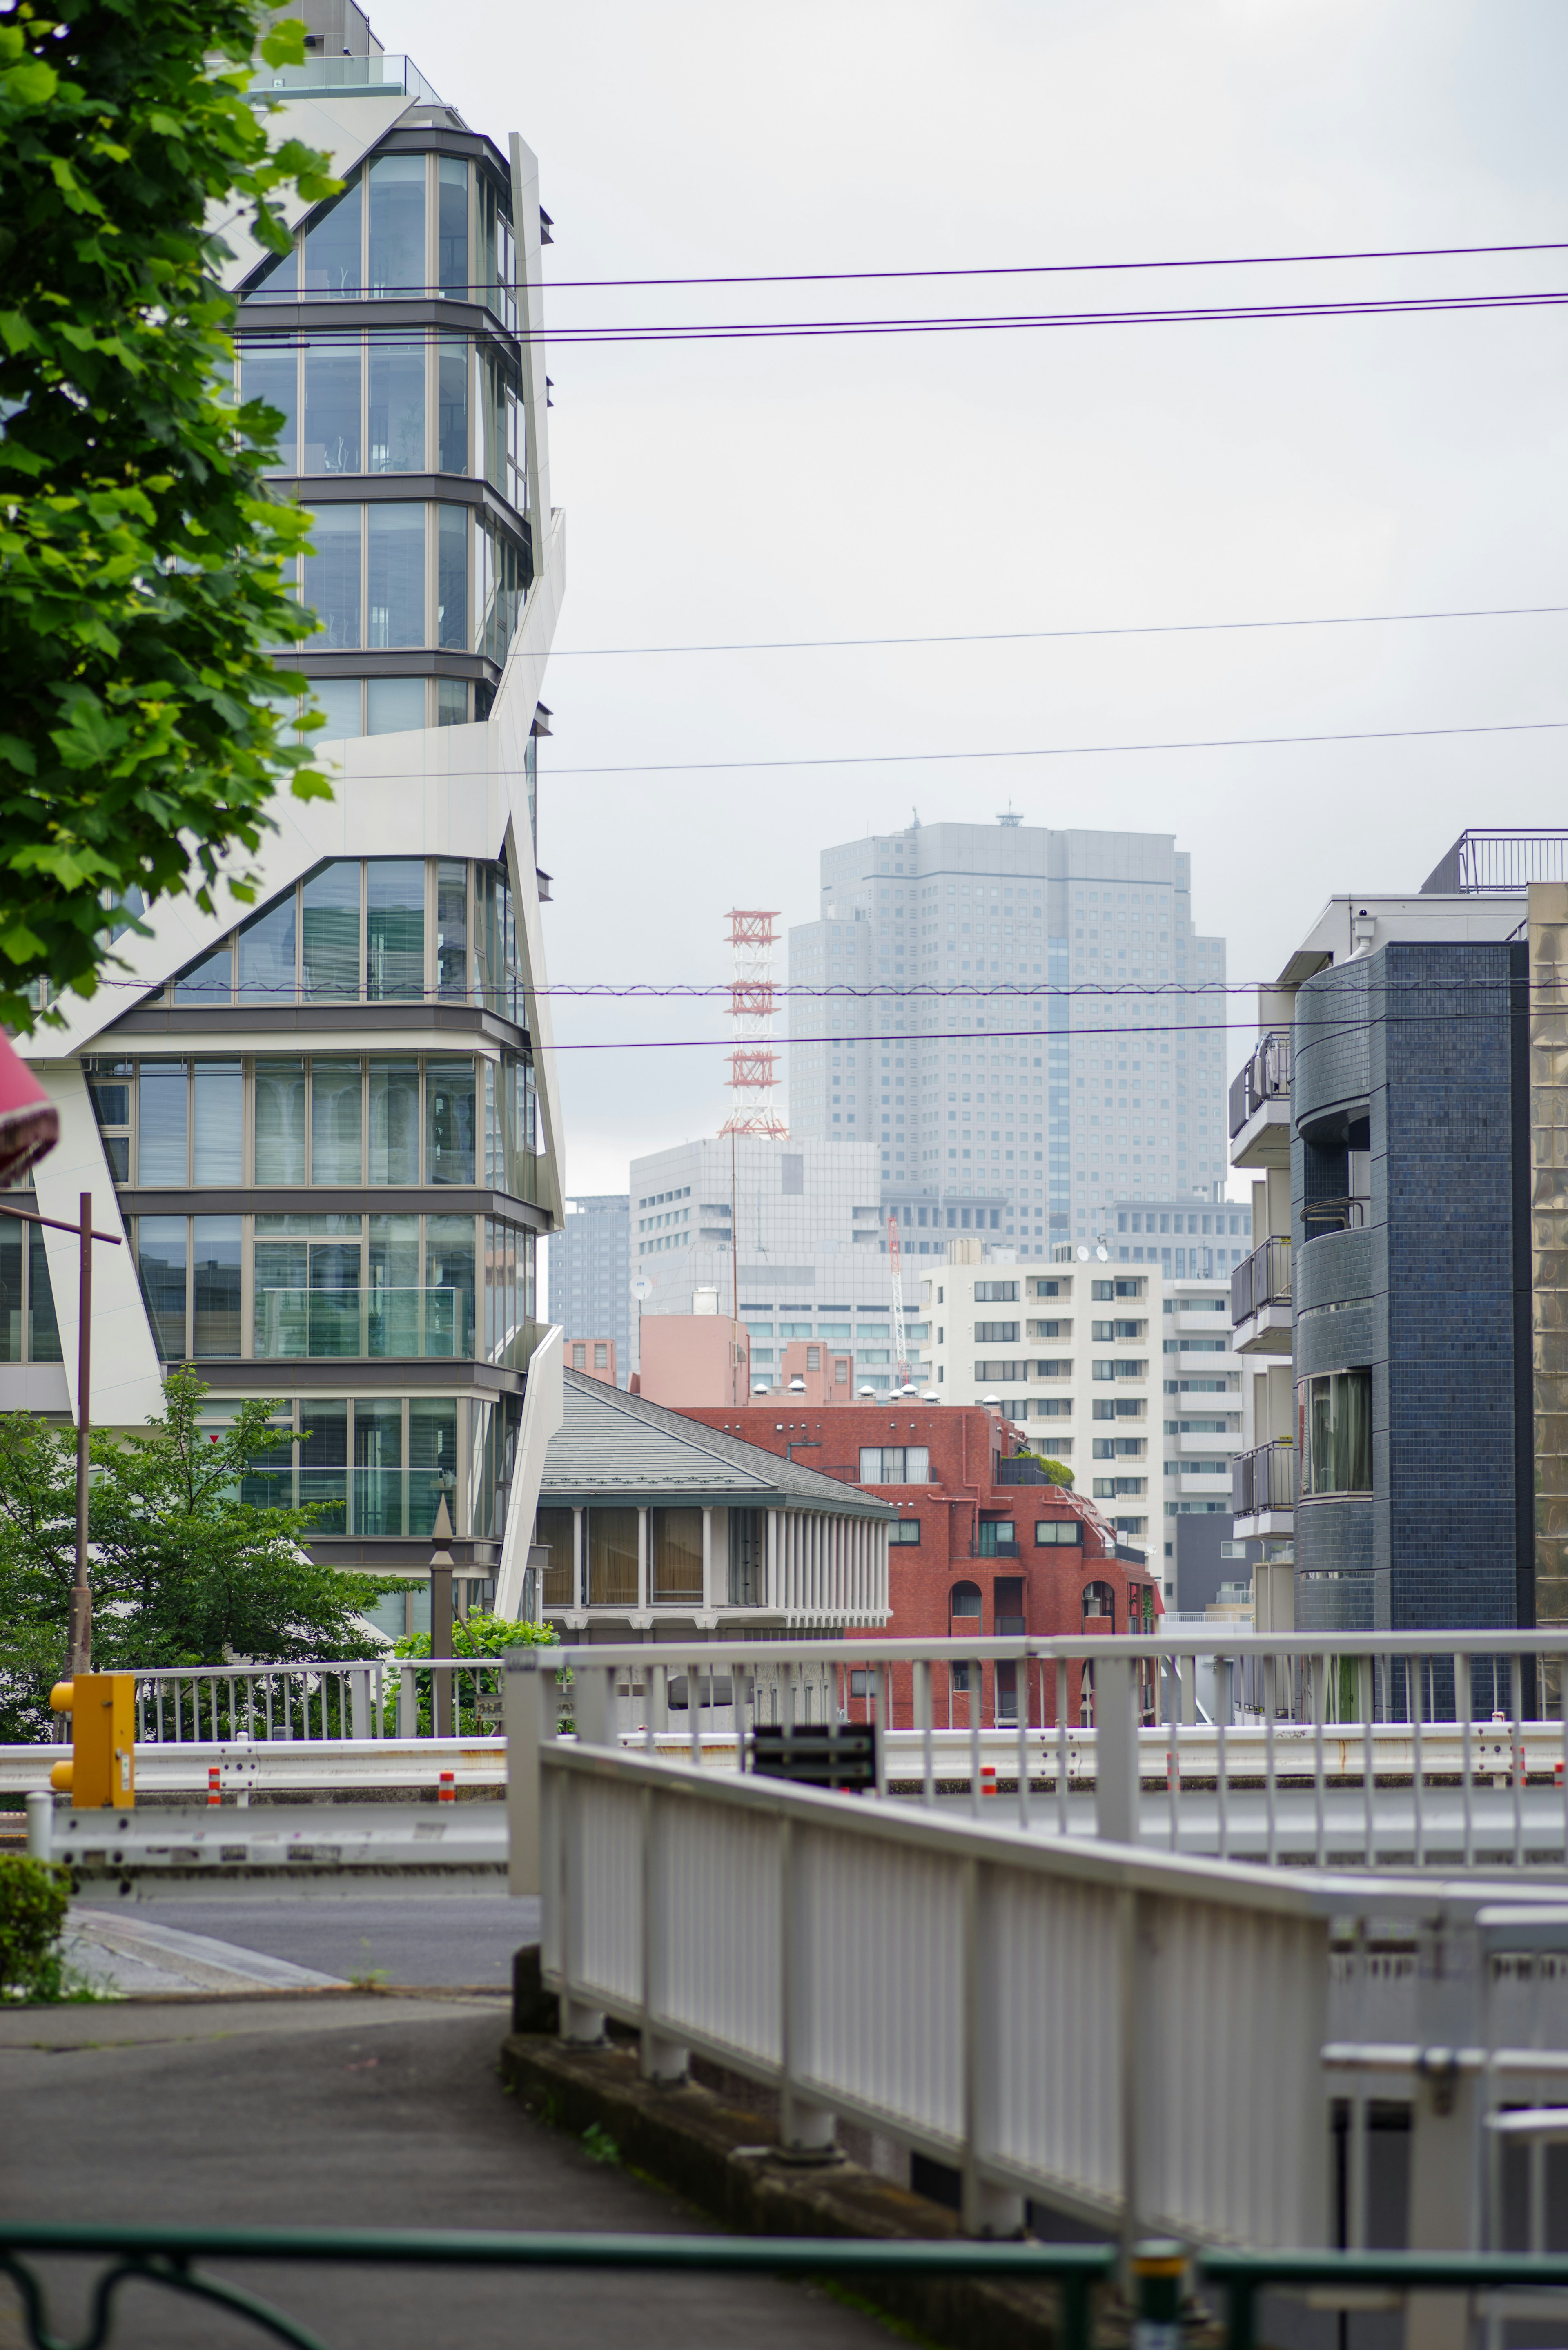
(1262, 1279)
(1340, 1215)
(1264, 1480)
(368, 1501)
(387, 75)
(1265, 1078)
(363, 1322)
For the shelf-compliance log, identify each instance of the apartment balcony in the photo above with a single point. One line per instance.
(1263, 1491)
(1261, 1315)
(1205, 1446)
(1202, 1484)
(1261, 1105)
(386, 75)
(1349, 1214)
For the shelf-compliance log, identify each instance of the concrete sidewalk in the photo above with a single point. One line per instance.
(333, 2109)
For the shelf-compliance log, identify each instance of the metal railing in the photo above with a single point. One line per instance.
(1262, 1279)
(316, 1702)
(1264, 1479)
(1265, 1076)
(364, 1322)
(1349, 1214)
(387, 74)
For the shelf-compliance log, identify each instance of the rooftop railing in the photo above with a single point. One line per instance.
(389, 75)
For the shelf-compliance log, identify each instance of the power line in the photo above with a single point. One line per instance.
(1067, 750)
(1059, 268)
(1036, 636)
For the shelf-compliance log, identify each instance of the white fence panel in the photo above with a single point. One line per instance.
(606, 1926)
(1050, 1986)
(718, 1964)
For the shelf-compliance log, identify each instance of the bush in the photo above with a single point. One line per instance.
(474, 1635)
(1057, 1470)
(35, 1895)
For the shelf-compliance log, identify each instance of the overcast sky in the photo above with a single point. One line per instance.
(1099, 477)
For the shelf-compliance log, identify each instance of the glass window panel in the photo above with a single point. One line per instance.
(266, 954)
(451, 405)
(677, 1547)
(432, 1461)
(208, 981)
(331, 257)
(43, 1323)
(395, 927)
(397, 416)
(612, 1557)
(160, 1261)
(449, 1107)
(13, 1234)
(324, 1462)
(332, 576)
(332, 385)
(394, 1121)
(396, 704)
(553, 1532)
(398, 225)
(452, 581)
(397, 574)
(451, 927)
(280, 1121)
(449, 1265)
(452, 224)
(332, 930)
(378, 1481)
(336, 1150)
(219, 1121)
(161, 1123)
(339, 698)
(277, 279)
(215, 1286)
(270, 371)
(394, 1303)
(451, 701)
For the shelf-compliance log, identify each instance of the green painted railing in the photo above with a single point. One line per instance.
(1246, 2276)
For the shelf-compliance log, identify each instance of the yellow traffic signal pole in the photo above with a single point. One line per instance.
(101, 1772)
(78, 1643)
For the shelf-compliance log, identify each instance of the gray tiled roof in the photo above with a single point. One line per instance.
(620, 1446)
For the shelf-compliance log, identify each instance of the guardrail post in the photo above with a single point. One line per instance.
(593, 1703)
(806, 2131)
(1159, 2271)
(359, 1700)
(1445, 2183)
(663, 2059)
(523, 1707)
(1117, 1775)
(988, 2211)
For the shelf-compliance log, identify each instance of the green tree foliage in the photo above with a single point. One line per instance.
(141, 553)
(474, 1635)
(186, 1570)
(34, 1896)
(1057, 1471)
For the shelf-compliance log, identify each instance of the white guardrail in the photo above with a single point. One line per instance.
(1153, 2041)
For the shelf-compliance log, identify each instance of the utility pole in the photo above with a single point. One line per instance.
(80, 1638)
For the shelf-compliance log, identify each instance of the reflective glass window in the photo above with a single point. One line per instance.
(611, 1539)
(394, 1121)
(451, 701)
(395, 1304)
(219, 1121)
(331, 909)
(215, 1286)
(324, 1461)
(270, 372)
(338, 699)
(452, 926)
(161, 1123)
(450, 1107)
(450, 1266)
(160, 1262)
(398, 225)
(13, 1235)
(331, 588)
(43, 1323)
(395, 927)
(451, 405)
(397, 574)
(266, 954)
(394, 705)
(208, 981)
(332, 383)
(280, 1121)
(397, 415)
(452, 224)
(331, 258)
(677, 1546)
(336, 1154)
(452, 579)
(432, 1461)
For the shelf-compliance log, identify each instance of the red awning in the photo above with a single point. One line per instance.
(29, 1122)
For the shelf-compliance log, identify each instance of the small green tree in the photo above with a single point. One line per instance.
(473, 1635)
(185, 1571)
(141, 556)
(34, 1896)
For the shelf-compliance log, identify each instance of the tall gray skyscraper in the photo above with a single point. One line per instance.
(590, 1273)
(1023, 1019)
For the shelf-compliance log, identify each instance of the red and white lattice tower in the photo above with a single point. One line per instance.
(753, 1064)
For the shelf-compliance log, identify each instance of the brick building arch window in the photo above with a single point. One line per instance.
(1100, 1601)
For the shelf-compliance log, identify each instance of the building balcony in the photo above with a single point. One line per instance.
(1206, 1446)
(1213, 1486)
(1261, 1105)
(1263, 1491)
(386, 75)
(1349, 1214)
(1260, 1314)
(363, 1324)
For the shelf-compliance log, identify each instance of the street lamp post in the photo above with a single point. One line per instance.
(80, 1638)
(440, 1622)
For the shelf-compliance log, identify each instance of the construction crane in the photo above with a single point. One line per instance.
(901, 1341)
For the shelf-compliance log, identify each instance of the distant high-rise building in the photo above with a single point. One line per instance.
(1022, 1022)
(590, 1273)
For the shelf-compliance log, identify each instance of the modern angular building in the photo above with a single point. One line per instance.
(590, 1273)
(1400, 1320)
(321, 1122)
(1023, 1022)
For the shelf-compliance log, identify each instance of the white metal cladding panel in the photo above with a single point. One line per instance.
(1050, 2007)
(604, 1854)
(880, 2013)
(717, 1963)
(1233, 2117)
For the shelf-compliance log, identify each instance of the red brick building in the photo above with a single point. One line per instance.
(985, 1546)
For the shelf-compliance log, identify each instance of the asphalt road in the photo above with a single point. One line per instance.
(343, 2111)
(451, 1940)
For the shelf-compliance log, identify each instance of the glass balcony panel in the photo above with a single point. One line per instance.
(361, 1324)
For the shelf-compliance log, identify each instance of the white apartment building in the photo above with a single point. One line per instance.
(1021, 1022)
(1124, 1377)
(813, 1260)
